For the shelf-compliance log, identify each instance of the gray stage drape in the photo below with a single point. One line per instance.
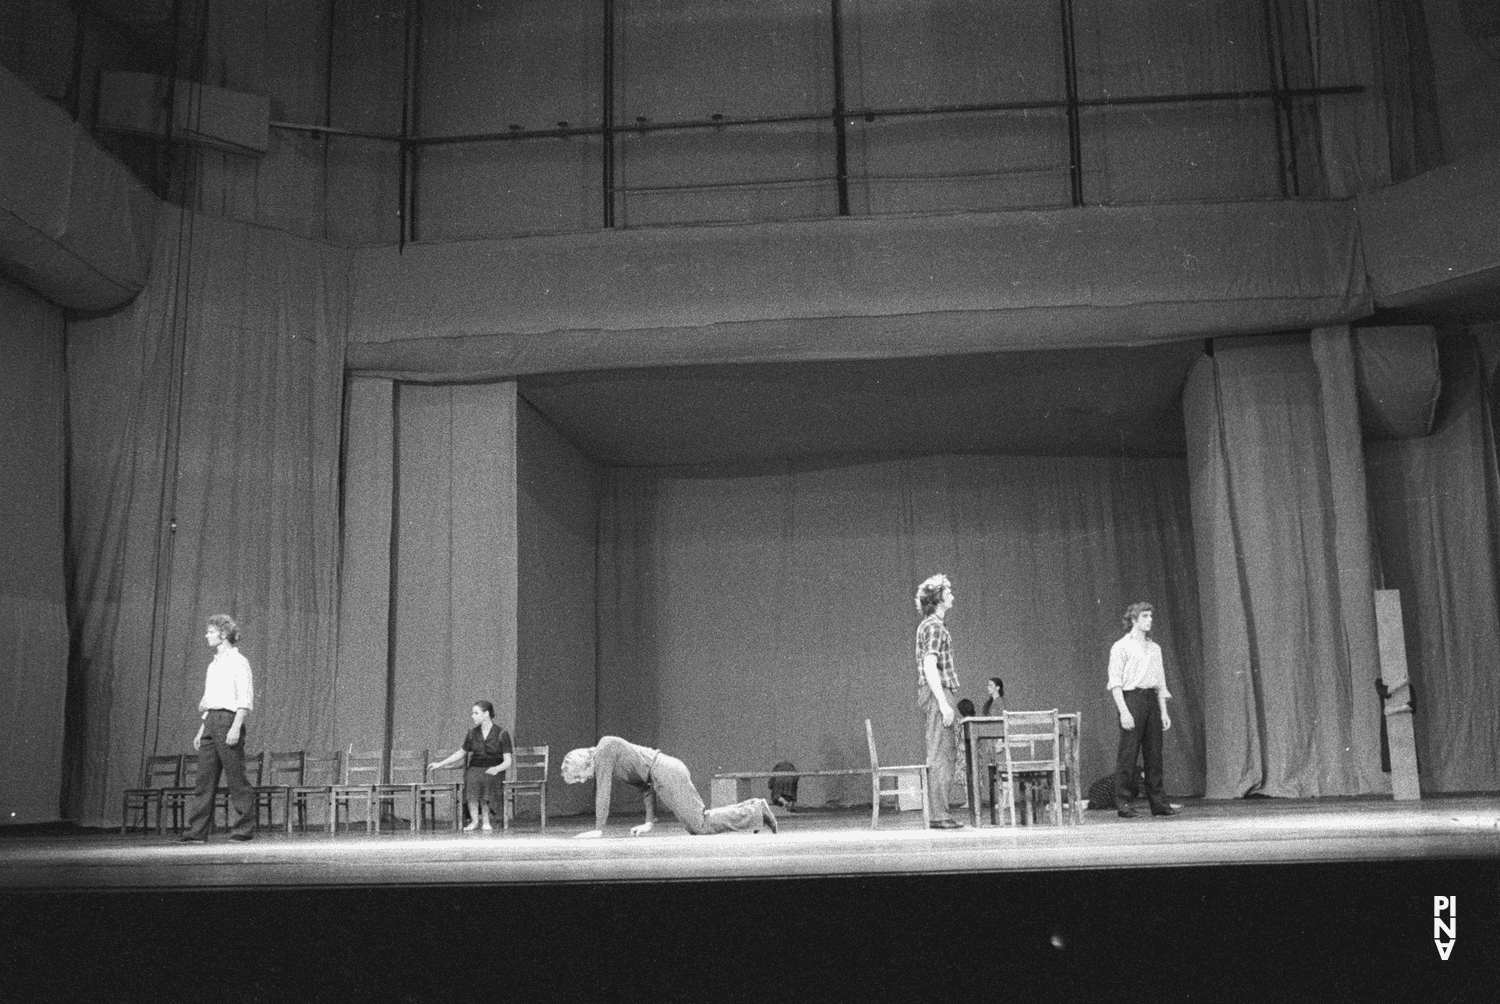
(746, 618)
(1435, 504)
(435, 466)
(232, 507)
(1284, 569)
(33, 612)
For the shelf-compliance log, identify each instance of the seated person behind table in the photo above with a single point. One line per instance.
(994, 703)
(663, 779)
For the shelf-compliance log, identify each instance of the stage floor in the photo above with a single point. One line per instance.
(820, 843)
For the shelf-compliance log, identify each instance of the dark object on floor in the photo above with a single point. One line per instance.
(784, 789)
(1102, 792)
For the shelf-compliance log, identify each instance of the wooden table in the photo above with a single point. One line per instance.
(993, 727)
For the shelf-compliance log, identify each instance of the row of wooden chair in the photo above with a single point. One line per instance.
(300, 780)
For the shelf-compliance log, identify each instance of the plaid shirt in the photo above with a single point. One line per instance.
(933, 639)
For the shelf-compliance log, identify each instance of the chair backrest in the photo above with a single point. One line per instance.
(528, 764)
(321, 767)
(1032, 740)
(255, 766)
(189, 775)
(407, 767)
(163, 770)
(870, 738)
(363, 768)
(285, 768)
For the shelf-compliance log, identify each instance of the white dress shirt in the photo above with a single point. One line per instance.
(1135, 664)
(228, 684)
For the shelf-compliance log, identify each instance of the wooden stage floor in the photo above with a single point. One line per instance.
(810, 844)
(1248, 900)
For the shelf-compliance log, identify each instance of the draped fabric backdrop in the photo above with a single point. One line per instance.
(1436, 510)
(33, 589)
(1284, 570)
(751, 617)
(218, 495)
(435, 466)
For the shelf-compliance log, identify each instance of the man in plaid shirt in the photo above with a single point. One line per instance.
(936, 684)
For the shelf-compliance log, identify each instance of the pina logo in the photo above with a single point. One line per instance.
(1444, 924)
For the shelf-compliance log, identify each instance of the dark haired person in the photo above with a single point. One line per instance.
(489, 750)
(936, 684)
(663, 779)
(1139, 685)
(228, 696)
(994, 699)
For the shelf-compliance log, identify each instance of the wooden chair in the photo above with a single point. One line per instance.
(281, 772)
(527, 776)
(406, 770)
(1033, 752)
(879, 773)
(361, 773)
(162, 771)
(443, 783)
(320, 772)
(175, 800)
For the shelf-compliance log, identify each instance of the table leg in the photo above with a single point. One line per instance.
(973, 776)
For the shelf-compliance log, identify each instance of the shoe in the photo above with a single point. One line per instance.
(1164, 810)
(487, 828)
(946, 824)
(242, 837)
(188, 838)
(1127, 813)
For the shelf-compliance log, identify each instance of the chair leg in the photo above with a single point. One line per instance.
(924, 785)
(544, 808)
(875, 801)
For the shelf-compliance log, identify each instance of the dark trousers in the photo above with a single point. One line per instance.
(1146, 710)
(216, 756)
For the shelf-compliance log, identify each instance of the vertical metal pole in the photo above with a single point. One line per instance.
(1272, 81)
(406, 181)
(393, 594)
(1070, 81)
(607, 114)
(840, 123)
(1284, 102)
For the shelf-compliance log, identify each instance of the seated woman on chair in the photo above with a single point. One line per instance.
(488, 748)
(663, 779)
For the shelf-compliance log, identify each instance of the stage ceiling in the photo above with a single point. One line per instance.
(1083, 402)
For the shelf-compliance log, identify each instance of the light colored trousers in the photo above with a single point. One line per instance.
(675, 792)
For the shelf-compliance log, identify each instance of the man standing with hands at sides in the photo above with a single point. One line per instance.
(1139, 685)
(228, 696)
(936, 684)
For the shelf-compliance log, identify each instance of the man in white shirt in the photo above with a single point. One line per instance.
(1139, 685)
(228, 696)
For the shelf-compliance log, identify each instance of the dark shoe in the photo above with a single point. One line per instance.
(1127, 813)
(1164, 810)
(188, 838)
(946, 824)
(242, 836)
